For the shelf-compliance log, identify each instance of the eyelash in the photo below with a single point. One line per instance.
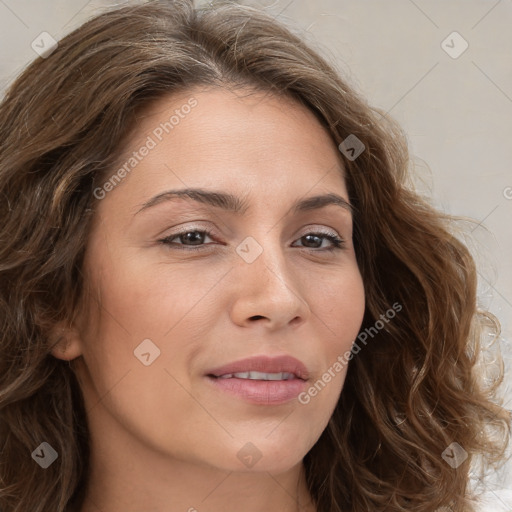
(339, 243)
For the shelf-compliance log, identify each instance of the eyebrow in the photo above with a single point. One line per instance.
(234, 204)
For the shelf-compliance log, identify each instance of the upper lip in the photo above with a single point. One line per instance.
(266, 364)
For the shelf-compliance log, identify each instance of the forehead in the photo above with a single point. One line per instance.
(249, 142)
(241, 121)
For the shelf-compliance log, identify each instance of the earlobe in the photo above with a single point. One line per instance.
(65, 342)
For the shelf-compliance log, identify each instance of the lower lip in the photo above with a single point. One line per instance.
(263, 392)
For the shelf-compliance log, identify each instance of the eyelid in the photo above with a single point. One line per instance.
(307, 230)
(338, 241)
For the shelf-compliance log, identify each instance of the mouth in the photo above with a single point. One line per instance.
(261, 380)
(283, 367)
(252, 375)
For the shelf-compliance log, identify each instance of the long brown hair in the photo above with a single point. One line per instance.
(408, 395)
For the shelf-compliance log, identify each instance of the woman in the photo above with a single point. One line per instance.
(313, 347)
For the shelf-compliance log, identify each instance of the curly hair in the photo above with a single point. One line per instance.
(406, 398)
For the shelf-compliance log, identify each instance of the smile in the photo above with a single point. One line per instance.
(259, 376)
(262, 380)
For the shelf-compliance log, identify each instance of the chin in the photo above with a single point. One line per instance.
(264, 454)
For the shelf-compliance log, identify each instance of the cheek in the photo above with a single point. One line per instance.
(138, 302)
(176, 307)
(138, 343)
(338, 305)
(338, 301)
(340, 308)
(144, 327)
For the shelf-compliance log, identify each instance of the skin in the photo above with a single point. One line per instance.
(162, 437)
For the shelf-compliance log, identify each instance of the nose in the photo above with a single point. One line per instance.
(268, 291)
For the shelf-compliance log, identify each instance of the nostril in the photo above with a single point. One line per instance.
(256, 317)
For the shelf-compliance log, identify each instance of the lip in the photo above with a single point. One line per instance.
(262, 392)
(266, 364)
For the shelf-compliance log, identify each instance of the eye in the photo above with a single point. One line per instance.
(193, 239)
(316, 237)
(196, 239)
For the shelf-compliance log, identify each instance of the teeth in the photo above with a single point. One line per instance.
(259, 376)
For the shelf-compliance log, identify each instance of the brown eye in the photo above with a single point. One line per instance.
(194, 239)
(316, 238)
(187, 238)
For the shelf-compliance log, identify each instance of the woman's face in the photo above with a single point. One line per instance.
(172, 308)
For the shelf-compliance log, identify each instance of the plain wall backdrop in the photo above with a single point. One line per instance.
(442, 69)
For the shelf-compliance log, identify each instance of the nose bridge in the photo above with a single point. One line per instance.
(267, 285)
(264, 257)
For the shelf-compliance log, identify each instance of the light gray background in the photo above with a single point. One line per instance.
(457, 112)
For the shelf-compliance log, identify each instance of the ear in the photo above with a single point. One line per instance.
(65, 342)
